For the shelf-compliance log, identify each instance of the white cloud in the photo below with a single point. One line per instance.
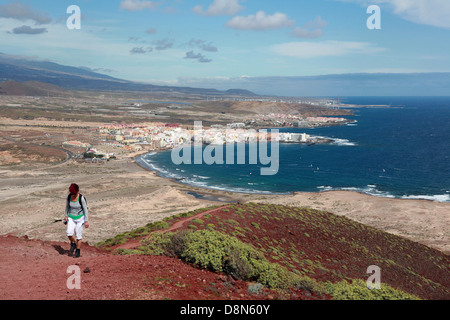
(163, 44)
(197, 56)
(202, 44)
(306, 50)
(28, 30)
(220, 8)
(58, 41)
(311, 30)
(305, 33)
(140, 50)
(138, 5)
(429, 12)
(261, 21)
(19, 11)
(318, 23)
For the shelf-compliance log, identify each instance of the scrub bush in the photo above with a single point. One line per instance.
(357, 290)
(219, 252)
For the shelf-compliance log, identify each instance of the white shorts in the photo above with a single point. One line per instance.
(75, 227)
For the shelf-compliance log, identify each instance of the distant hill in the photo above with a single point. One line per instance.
(72, 78)
(49, 67)
(267, 107)
(340, 85)
(30, 88)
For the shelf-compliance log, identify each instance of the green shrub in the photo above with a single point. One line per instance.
(233, 222)
(139, 232)
(238, 265)
(211, 249)
(256, 225)
(177, 244)
(216, 251)
(273, 275)
(306, 283)
(159, 225)
(157, 243)
(357, 290)
(255, 288)
(198, 221)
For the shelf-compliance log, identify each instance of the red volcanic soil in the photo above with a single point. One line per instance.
(318, 244)
(327, 247)
(37, 270)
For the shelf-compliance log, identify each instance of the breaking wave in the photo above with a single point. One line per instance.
(373, 191)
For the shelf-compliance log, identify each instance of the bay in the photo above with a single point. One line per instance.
(401, 151)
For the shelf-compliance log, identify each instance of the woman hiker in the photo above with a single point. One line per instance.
(76, 217)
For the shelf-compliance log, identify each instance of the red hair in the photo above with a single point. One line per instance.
(74, 188)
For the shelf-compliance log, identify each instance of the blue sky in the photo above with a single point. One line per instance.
(221, 42)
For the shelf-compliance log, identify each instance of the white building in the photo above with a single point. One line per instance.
(236, 125)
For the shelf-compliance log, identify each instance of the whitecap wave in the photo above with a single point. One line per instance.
(436, 198)
(150, 165)
(369, 189)
(151, 154)
(230, 189)
(343, 142)
(199, 181)
(372, 190)
(339, 142)
(200, 177)
(326, 188)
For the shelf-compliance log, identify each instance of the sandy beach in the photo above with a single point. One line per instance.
(123, 196)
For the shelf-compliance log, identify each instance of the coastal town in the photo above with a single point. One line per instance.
(164, 136)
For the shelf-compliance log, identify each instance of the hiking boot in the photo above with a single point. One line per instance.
(77, 253)
(73, 246)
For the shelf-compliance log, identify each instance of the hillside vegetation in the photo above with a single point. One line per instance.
(316, 254)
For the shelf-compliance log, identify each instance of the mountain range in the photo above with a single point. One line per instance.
(26, 73)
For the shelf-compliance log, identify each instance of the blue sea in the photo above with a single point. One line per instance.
(402, 151)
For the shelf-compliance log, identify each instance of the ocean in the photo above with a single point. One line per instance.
(402, 151)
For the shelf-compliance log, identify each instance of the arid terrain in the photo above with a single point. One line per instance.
(36, 171)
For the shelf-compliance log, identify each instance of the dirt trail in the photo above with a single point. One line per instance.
(38, 270)
(179, 224)
(32, 269)
(182, 222)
